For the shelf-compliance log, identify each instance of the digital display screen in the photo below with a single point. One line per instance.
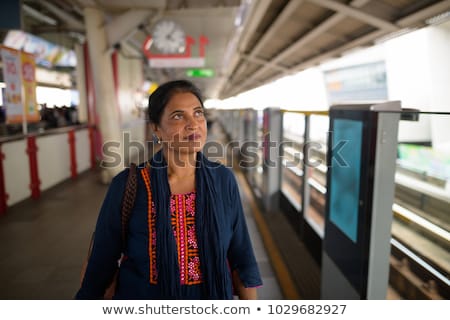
(345, 174)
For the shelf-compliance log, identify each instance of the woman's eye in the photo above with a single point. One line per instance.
(199, 113)
(177, 116)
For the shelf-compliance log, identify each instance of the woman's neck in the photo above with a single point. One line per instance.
(180, 165)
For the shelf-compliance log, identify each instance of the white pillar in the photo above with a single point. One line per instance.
(81, 84)
(439, 50)
(105, 99)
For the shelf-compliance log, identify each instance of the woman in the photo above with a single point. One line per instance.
(187, 236)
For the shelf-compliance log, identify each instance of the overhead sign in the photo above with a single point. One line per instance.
(176, 60)
(357, 83)
(200, 73)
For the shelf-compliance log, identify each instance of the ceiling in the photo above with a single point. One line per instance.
(250, 42)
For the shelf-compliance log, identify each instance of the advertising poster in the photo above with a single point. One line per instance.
(13, 89)
(29, 86)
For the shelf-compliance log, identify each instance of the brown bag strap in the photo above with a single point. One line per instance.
(128, 201)
(127, 206)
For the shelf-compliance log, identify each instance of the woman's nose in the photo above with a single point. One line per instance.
(191, 123)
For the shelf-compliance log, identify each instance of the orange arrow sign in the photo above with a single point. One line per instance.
(203, 42)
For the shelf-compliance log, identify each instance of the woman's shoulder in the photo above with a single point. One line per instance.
(123, 175)
(119, 181)
(218, 169)
(223, 175)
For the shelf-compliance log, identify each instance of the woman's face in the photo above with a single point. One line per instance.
(183, 125)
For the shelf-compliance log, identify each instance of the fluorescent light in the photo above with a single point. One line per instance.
(437, 19)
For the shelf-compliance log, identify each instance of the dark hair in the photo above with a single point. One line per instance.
(161, 96)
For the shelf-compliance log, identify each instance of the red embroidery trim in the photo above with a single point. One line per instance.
(182, 208)
(151, 218)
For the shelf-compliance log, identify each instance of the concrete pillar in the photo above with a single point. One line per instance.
(106, 102)
(272, 137)
(439, 51)
(81, 84)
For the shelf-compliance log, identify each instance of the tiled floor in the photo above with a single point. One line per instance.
(43, 243)
(270, 289)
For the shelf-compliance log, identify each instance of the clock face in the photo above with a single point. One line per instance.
(168, 37)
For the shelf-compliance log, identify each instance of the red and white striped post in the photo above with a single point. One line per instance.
(34, 174)
(73, 154)
(3, 194)
(92, 146)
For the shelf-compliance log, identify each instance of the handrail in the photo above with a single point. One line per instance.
(307, 112)
(47, 132)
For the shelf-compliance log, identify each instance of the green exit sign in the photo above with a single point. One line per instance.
(200, 73)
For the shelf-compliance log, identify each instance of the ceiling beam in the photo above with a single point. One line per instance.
(408, 21)
(38, 15)
(123, 26)
(357, 14)
(319, 58)
(368, 38)
(70, 20)
(274, 28)
(252, 20)
(264, 62)
(426, 13)
(87, 3)
(296, 46)
(280, 20)
(132, 49)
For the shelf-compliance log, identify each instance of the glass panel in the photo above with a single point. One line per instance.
(292, 157)
(422, 189)
(317, 172)
(258, 173)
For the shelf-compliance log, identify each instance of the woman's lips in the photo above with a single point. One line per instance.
(194, 136)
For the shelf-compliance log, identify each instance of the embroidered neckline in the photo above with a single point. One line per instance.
(182, 194)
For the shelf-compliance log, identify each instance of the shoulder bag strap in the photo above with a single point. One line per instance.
(128, 201)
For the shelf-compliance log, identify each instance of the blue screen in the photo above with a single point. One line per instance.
(345, 175)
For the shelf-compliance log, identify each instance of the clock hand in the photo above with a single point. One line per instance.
(169, 34)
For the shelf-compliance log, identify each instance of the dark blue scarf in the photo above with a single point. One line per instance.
(213, 264)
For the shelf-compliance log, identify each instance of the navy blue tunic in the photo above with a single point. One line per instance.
(133, 281)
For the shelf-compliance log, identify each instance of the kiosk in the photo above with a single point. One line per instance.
(361, 160)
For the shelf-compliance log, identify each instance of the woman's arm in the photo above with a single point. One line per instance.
(240, 255)
(243, 292)
(106, 247)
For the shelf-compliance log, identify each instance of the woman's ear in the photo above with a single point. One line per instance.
(154, 127)
(156, 137)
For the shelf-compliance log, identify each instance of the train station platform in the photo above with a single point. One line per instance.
(292, 73)
(44, 242)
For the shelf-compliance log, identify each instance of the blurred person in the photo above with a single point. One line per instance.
(187, 235)
(60, 116)
(2, 114)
